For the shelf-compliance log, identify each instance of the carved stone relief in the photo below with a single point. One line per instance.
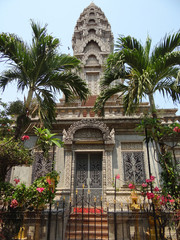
(68, 163)
(108, 137)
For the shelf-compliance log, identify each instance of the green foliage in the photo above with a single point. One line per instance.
(5, 121)
(6, 190)
(46, 139)
(162, 134)
(15, 108)
(133, 72)
(41, 70)
(12, 153)
(41, 192)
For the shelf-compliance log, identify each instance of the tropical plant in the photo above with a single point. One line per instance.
(167, 136)
(46, 140)
(12, 153)
(134, 72)
(41, 70)
(16, 199)
(5, 121)
(38, 194)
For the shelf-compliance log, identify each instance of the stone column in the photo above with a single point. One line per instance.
(68, 163)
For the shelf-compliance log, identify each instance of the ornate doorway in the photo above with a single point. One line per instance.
(89, 174)
(88, 146)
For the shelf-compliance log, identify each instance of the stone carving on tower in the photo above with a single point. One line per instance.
(92, 42)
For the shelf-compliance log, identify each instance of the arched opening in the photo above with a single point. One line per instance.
(91, 14)
(92, 45)
(92, 31)
(92, 60)
(91, 22)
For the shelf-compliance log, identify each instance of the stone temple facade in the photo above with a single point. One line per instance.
(96, 149)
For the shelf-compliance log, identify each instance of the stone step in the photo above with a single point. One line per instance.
(94, 226)
(91, 226)
(92, 235)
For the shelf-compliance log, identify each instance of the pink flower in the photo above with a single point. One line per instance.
(158, 197)
(131, 186)
(176, 129)
(150, 195)
(25, 137)
(152, 178)
(14, 203)
(171, 200)
(148, 180)
(156, 189)
(144, 185)
(40, 189)
(164, 199)
(117, 176)
(169, 196)
(16, 180)
(48, 181)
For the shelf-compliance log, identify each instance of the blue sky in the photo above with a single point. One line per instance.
(137, 18)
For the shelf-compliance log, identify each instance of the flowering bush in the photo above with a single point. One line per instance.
(156, 195)
(41, 192)
(160, 134)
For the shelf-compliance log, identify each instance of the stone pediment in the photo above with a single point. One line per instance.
(88, 131)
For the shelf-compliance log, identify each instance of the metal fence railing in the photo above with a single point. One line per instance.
(84, 218)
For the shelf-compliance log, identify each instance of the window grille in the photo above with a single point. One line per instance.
(133, 161)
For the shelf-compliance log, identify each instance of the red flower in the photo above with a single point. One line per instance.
(14, 203)
(40, 190)
(117, 176)
(16, 180)
(156, 189)
(144, 185)
(150, 195)
(176, 129)
(148, 180)
(171, 200)
(158, 197)
(131, 186)
(25, 137)
(152, 178)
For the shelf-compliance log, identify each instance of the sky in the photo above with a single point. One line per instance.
(138, 18)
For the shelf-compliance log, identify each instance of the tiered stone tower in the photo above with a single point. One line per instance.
(92, 42)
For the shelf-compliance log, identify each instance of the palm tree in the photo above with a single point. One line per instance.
(41, 70)
(134, 72)
(141, 73)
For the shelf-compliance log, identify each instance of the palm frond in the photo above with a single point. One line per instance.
(128, 43)
(167, 45)
(106, 94)
(70, 84)
(114, 69)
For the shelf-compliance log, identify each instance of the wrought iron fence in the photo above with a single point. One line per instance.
(84, 218)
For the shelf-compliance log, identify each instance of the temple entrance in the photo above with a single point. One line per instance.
(89, 175)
